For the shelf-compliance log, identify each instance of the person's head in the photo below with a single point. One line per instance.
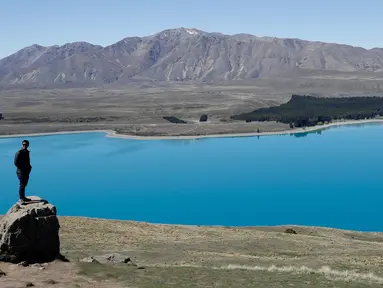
(25, 144)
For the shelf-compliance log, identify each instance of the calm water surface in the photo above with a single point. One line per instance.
(333, 178)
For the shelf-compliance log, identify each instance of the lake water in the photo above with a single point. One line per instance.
(332, 178)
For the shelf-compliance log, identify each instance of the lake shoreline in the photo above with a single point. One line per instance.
(114, 134)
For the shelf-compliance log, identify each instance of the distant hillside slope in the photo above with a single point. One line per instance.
(180, 55)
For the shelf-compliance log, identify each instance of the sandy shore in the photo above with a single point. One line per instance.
(108, 132)
(290, 131)
(111, 133)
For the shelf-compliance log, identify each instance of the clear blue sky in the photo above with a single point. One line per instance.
(50, 22)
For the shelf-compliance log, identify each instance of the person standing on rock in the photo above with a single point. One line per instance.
(24, 168)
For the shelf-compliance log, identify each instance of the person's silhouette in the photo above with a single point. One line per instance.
(23, 164)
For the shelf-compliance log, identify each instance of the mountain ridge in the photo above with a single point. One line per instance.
(181, 54)
(218, 33)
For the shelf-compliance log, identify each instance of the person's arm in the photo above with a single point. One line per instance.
(17, 159)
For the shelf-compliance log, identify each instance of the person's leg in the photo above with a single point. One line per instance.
(21, 186)
(23, 183)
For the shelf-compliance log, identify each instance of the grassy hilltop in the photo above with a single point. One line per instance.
(191, 256)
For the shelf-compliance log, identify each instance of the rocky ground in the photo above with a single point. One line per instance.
(191, 256)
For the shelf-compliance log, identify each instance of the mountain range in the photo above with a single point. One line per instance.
(181, 55)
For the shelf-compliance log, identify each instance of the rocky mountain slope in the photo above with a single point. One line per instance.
(180, 55)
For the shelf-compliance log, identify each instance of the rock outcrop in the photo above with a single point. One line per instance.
(203, 118)
(114, 258)
(290, 231)
(30, 232)
(110, 259)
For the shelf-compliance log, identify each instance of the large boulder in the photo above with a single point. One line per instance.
(30, 232)
(203, 118)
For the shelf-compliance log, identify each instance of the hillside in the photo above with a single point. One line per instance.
(181, 55)
(191, 256)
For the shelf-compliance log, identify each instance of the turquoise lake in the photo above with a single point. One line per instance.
(331, 178)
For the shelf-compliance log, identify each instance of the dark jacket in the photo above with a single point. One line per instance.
(23, 162)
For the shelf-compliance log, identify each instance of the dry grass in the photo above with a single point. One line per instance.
(331, 274)
(192, 256)
(207, 277)
(315, 253)
(59, 275)
(136, 107)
